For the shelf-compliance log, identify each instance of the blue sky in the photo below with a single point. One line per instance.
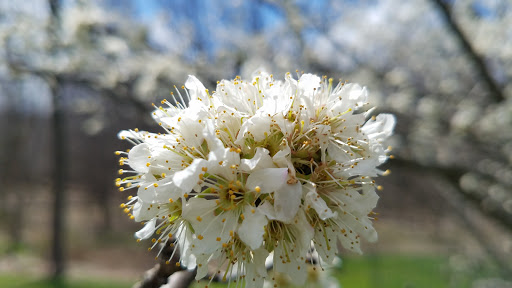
(146, 9)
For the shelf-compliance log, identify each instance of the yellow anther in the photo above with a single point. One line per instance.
(204, 169)
(170, 200)
(199, 218)
(218, 239)
(253, 211)
(200, 237)
(163, 175)
(170, 235)
(130, 197)
(155, 184)
(126, 210)
(122, 205)
(257, 189)
(120, 171)
(147, 164)
(118, 153)
(242, 216)
(121, 189)
(231, 233)
(185, 195)
(380, 188)
(233, 197)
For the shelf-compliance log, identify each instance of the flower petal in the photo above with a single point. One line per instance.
(268, 210)
(308, 84)
(258, 125)
(147, 231)
(380, 128)
(256, 271)
(268, 179)
(260, 160)
(186, 179)
(316, 202)
(287, 200)
(138, 157)
(196, 88)
(143, 211)
(253, 227)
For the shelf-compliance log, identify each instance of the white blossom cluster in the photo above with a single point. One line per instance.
(258, 169)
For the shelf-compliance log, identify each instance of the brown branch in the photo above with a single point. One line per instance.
(496, 92)
(453, 175)
(158, 276)
(182, 279)
(465, 210)
(122, 91)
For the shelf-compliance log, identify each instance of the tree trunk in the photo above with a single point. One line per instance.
(59, 151)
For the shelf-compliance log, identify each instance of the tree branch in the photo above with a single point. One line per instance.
(121, 92)
(453, 175)
(496, 93)
(159, 275)
(465, 209)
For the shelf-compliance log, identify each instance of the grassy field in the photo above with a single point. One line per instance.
(362, 272)
(393, 271)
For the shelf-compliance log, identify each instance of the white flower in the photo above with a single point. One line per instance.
(258, 168)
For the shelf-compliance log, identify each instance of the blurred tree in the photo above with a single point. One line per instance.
(59, 147)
